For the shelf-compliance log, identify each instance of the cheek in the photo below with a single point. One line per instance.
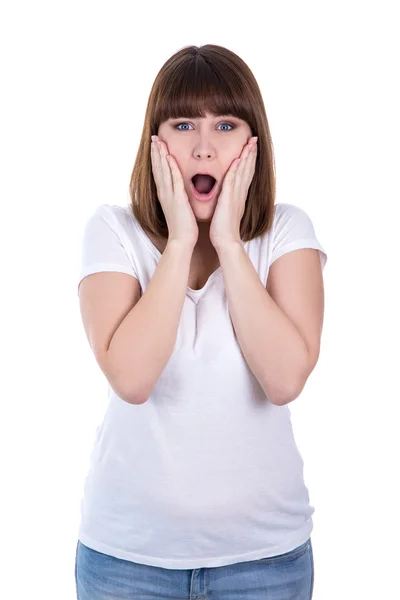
(228, 163)
(236, 152)
(180, 156)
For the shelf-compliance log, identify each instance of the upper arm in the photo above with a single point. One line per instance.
(295, 283)
(105, 299)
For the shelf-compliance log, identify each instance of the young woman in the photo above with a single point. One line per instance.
(203, 302)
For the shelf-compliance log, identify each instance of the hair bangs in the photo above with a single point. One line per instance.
(195, 88)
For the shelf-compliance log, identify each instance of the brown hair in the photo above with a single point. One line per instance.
(192, 82)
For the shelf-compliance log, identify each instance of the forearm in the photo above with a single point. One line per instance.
(143, 343)
(272, 346)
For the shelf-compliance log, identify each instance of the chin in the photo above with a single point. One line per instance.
(203, 220)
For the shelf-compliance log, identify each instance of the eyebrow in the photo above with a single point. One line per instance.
(199, 118)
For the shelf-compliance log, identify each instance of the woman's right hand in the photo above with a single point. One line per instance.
(182, 225)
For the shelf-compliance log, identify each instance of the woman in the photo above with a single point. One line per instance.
(204, 310)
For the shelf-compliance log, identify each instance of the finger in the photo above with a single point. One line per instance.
(156, 165)
(166, 171)
(250, 161)
(247, 151)
(247, 168)
(250, 168)
(230, 175)
(243, 159)
(177, 179)
(162, 171)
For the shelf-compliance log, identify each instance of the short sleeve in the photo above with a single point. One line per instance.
(292, 230)
(101, 246)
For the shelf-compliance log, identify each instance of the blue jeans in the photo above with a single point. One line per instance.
(288, 576)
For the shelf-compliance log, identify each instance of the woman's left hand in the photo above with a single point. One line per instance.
(225, 224)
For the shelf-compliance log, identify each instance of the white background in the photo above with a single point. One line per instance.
(75, 80)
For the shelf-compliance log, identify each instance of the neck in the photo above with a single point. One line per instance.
(203, 241)
(204, 248)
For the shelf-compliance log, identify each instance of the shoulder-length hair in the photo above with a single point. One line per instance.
(194, 81)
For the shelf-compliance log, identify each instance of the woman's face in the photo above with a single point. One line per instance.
(207, 145)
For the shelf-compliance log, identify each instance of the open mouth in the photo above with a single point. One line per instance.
(203, 183)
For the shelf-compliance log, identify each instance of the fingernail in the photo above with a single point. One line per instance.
(153, 137)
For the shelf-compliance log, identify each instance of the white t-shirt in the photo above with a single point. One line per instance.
(206, 472)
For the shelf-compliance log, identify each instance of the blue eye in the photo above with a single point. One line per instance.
(229, 124)
(185, 123)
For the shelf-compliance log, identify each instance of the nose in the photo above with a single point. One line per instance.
(201, 152)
